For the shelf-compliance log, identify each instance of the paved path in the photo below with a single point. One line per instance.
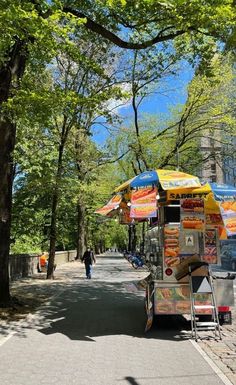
(91, 333)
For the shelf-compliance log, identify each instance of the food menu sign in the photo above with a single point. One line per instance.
(192, 214)
(172, 300)
(210, 252)
(171, 246)
(176, 300)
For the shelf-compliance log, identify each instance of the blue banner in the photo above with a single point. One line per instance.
(223, 192)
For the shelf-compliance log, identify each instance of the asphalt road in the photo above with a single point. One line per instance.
(92, 333)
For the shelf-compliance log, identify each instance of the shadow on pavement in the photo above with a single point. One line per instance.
(131, 380)
(94, 309)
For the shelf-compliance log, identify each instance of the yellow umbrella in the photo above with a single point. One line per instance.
(168, 179)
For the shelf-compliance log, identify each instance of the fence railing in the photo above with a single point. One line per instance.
(25, 265)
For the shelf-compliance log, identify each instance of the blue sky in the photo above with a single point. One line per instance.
(175, 93)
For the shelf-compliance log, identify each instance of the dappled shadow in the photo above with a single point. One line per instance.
(95, 309)
(98, 309)
(86, 309)
(89, 309)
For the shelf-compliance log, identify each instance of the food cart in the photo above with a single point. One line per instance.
(190, 220)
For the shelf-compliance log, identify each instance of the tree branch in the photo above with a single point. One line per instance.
(99, 29)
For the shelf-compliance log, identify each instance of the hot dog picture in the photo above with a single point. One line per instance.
(143, 195)
(171, 242)
(183, 306)
(170, 231)
(165, 293)
(214, 219)
(192, 214)
(192, 205)
(171, 252)
(172, 261)
(192, 223)
(164, 307)
(231, 225)
(229, 206)
(171, 245)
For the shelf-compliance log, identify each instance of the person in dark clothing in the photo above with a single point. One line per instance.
(88, 259)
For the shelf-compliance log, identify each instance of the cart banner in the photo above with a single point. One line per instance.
(228, 213)
(143, 211)
(170, 179)
(192, 214)
(189, 193)
(113, 204)
(223, 192)
(146, 195)
(144, 203)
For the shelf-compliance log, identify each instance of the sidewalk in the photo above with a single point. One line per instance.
(34, 292)
(37, 291)
(223, 353)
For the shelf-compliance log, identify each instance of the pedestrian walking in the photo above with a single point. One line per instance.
(88, 259)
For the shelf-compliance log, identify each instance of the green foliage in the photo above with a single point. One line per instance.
(208, 111)
(72, 73)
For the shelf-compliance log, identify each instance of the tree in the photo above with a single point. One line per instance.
(174, 141)
(35, 28)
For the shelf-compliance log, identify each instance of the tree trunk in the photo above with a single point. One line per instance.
(10, 72)
(7, 142)
(129, 238)
(53, 226)
(134, 239)
(142, 245)
(80, 229)
(53, 234)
